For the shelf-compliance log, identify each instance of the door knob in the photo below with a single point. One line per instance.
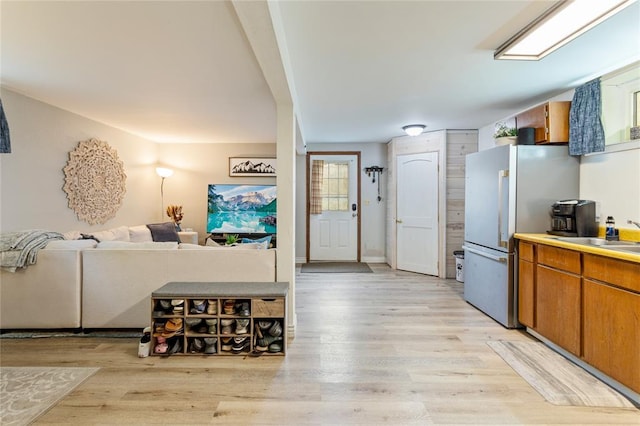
(398, 221)
(354, 214)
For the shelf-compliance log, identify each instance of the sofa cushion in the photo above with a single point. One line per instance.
(140, 234)
(70, 244)
(127, 245)
(120, 233)
(164, 232)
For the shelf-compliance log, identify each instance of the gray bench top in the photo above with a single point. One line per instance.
(207, 290)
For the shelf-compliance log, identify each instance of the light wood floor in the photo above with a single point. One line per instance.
(389, 347)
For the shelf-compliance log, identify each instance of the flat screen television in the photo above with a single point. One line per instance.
(242, 209)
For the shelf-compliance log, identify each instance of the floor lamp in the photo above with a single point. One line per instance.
(163, 172)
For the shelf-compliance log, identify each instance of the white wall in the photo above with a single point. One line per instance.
(373, 213)
(31, 176)
(613, 180)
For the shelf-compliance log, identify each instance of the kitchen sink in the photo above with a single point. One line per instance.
(628, 249)
(592, 241)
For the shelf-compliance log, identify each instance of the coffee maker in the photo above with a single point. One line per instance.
(574, 218)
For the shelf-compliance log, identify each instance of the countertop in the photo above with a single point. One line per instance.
(602, 251)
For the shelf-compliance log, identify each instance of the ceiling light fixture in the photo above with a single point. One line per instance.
(556, 27)
(414, 129)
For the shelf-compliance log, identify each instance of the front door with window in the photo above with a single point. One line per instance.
(333, 217)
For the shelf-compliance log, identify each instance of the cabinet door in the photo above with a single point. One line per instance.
(550, 120)
(612, 332)
(558, 307)
(526, 293)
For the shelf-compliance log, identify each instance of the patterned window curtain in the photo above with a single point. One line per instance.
(317, 167)
(586, 134)
(5, 141)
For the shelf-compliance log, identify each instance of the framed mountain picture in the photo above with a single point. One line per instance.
(252, 166)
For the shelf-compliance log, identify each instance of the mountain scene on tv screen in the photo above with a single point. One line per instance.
(242, 208)
(250, 167)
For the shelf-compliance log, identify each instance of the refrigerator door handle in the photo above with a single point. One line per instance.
(502, 259)
(501, 175)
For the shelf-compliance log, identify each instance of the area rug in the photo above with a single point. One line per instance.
(557, 379)
(335, 267)
(28, 392)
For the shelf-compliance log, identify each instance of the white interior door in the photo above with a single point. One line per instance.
(417, 232)
(333, 233)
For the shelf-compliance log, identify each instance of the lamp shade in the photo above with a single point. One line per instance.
(164, 172)
(414, 129)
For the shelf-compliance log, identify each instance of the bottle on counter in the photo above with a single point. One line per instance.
(611, 227)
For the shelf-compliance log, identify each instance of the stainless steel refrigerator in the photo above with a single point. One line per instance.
(508, 189)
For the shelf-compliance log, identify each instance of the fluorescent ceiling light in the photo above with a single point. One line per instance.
(414, 129)
(558, 26)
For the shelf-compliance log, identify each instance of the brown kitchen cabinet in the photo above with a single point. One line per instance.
(526, 284)
(550, 121)
(586, 304)
(558, 307)
(611, 318)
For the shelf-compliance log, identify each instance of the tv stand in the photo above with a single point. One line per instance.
(221, 237)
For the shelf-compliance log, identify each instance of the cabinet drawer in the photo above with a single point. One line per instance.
(526, 251)
(267, 307)
(613, 271)
(559, 258)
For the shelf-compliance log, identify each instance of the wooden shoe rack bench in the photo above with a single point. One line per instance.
(267, 303)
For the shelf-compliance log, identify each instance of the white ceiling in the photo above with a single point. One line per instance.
(186, 71)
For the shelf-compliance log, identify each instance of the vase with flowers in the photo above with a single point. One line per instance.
(175, 213)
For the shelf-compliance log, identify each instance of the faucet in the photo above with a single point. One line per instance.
(629, 221)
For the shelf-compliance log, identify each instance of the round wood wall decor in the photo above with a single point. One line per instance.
(94, 181)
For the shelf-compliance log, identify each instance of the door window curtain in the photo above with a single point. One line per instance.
(315, 199)
(586, 134)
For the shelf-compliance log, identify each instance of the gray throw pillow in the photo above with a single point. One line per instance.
(163, 232)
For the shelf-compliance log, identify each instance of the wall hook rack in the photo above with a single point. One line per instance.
(375, 171)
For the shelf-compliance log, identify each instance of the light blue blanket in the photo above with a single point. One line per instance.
(20, 249)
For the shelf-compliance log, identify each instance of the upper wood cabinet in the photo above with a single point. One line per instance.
(551, 121)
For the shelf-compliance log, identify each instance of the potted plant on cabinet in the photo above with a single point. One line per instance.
(505, 134)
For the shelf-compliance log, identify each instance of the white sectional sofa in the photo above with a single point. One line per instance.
(85, 284)
(48, 293)
(117, 283)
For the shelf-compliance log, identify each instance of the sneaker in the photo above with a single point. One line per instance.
(229, 306)
(212, 324)
(242, 326)
(276, 329)
(197, 345)
(264, 324)
(243, 309)
(193, 323)
(262, 345)
(211, 344)
(275, 347)
(212, 306)
(161, 345)
(240, 344)
(227, 344)
(144, 348)
(198, 306)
